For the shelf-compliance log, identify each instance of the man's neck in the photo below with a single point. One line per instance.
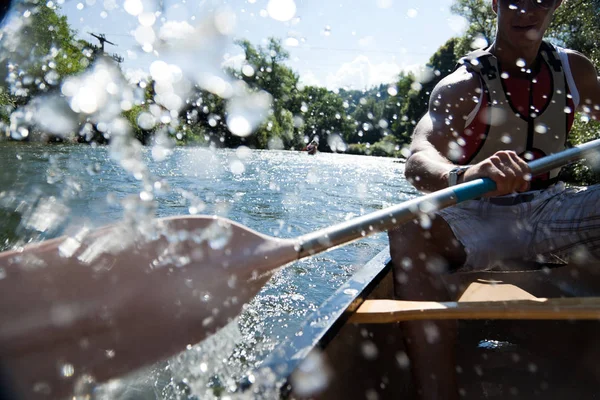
(515, 60)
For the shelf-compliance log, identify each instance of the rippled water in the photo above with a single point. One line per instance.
(279, 193)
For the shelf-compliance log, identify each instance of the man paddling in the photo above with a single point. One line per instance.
(507, 104)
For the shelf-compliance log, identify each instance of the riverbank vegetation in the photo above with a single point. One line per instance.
(378, 121)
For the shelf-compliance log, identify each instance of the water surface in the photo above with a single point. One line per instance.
(279, 193)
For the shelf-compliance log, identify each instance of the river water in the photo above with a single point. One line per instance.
(278, 193)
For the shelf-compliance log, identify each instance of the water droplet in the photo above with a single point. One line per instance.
(412, 13)
(384, 3)
(232, 281)
(146, 196)
(244, 113)
(146, 121)
(541, 128)
(532, 368)
(351, 292)
(403, 360)
(479, 42)
(281, 10)
(369, 350)
(146, 19)
(336, 143)
(506, 138)
(297, 297)
(425, 221)
(42, 388)
(67, 370)
(237, 167)
(84, 387)
(292, 42)
(133, 7)
(528, 156)
(521, 63)
(311, 376)
(432, 333)
(248, 70)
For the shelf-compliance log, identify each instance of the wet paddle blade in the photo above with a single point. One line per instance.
(115, 300)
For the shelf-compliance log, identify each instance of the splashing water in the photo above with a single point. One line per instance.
(246, 110)
(281, 10)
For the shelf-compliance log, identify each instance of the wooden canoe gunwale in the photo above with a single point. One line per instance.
(324, 324)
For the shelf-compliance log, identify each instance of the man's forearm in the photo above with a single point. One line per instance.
(427, 170)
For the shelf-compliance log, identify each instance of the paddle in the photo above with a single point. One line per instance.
(106, 302)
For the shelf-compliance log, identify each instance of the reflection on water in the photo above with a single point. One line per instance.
(56, 189)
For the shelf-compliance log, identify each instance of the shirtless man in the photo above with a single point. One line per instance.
(506, 105)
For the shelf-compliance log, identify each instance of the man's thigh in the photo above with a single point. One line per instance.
(422, 239)
(570, 224)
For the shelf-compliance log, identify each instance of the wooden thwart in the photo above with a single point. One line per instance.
(481, 301)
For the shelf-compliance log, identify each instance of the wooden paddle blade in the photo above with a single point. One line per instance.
(115, 299)
(387, 311)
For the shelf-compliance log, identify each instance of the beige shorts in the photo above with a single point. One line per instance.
(557, 223)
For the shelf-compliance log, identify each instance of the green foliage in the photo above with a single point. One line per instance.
(584, 173)
(442, 63)
(323, 114)
(386, 147)
(47, 52)
(270, 73)
(370, 125)
(576, 25)
(482, 24)
(132, 115)
(7, 104)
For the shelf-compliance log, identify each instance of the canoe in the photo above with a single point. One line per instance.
(545, 349)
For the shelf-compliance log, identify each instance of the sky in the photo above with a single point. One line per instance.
(354, 44)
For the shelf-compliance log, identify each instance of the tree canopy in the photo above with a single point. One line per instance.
(379, 120)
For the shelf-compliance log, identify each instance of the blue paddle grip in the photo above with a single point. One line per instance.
(473, 189)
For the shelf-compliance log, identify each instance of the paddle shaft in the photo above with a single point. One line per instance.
(391, 217)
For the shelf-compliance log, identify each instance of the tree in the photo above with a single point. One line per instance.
(442, 63)
(576, 25)
(323, 115)
(482, 24)
(264, 69)
(368, 118)
(270, 74)
(47, 51)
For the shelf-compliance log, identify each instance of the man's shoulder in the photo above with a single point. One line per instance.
(458, 84)
(576, 58)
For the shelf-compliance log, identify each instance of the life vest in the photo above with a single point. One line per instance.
(530, 116)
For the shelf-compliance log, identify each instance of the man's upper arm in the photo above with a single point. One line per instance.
(450, 103)
(588, 84)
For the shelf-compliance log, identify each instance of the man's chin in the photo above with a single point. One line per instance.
(533, 34)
